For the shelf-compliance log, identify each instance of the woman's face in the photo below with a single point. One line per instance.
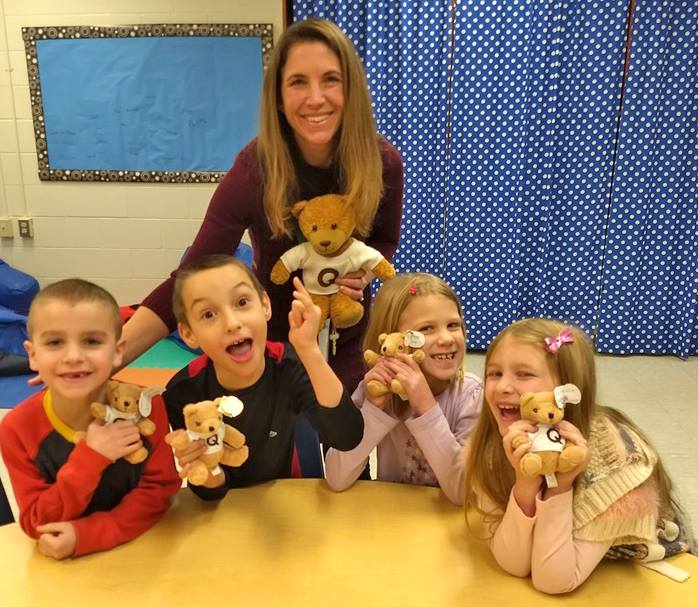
(312, 99)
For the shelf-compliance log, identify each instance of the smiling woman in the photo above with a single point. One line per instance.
(317, 136)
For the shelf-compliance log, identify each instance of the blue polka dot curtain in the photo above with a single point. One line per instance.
(650, 279)
(508, 130)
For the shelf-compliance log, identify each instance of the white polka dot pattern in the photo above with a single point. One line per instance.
(515, 215)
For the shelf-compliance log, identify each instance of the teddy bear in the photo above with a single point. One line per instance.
(224, 444)
(392, 344)
(130, 402)
(327, 222)
(548, 452)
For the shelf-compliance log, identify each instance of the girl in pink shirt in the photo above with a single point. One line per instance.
(419, 440)
(617, 503)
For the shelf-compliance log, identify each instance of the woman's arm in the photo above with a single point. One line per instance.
(143, 330)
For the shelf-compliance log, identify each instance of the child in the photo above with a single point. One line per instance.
(616, 498)
(222, 309)
(81, 498)
(419, 441)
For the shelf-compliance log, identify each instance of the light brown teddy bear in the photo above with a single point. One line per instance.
(126, 401)
(548, 452)
(328, 222)
(392, 344)
(225, 444)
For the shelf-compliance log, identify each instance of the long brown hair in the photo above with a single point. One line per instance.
(392, 299)
(487, 470)
(357, 151)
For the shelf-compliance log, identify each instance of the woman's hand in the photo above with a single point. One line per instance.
(410, 375)
(353, 284)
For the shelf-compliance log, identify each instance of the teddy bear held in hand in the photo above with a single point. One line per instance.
(224, 444)
(392, 344)
(327, 222)
(130, 402)
(548, 452)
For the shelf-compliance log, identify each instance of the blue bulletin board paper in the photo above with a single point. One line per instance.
(153, 104)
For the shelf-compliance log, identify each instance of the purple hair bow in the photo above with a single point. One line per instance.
(553, 344)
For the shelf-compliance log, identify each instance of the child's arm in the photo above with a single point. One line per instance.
(140, 508)
(304, 323)
(441, 444)
(343, 468)
(41, 502)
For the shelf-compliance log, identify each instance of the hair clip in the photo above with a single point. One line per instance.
(412, 289)
(553, 344)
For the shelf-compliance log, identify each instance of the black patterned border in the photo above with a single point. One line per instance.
(146, 30)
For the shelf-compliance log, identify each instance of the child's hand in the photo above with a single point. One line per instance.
(57, 540)
(380, 373)
(572, 436)
(191, 453)
(303, 319)
(410, 375)
(113, 440)
(525, 488)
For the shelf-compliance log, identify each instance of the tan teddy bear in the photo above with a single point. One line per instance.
(328, 222)
(126, 401)
(225, 444)
(548, 452)
(392, 344)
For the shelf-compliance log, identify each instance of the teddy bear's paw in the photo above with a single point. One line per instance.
(570, 458)
(198, 474)
(531, 464)
(138, 456)
(345, 312)
(146, 427)
(235, 457)
(396, 388)
(375, 388)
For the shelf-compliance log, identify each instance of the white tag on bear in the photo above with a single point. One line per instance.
(569, 393)
(230, 406)
(414, 339)
(145, 402)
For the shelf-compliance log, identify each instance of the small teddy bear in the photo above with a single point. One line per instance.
(130, 402)
(392, 344)
(225, 444)
(548, 452)
(327, 222)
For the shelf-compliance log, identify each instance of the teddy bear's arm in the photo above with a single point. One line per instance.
(371, 358)
(518, 441)
(384, 270)
(233, 437)
(146, 427)
(279, 273)
(178, 439)
(98, 410)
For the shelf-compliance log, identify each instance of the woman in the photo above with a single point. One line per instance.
(317, 136)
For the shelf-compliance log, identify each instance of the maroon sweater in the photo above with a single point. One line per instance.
(237, 205)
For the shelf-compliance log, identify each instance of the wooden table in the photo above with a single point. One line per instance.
(295, 542)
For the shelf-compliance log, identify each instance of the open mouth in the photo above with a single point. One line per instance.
(509, 413)
(75, 375)
(447, 356)
(240, 351)
(317, 119)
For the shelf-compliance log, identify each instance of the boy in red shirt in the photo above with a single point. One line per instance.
(81, 498)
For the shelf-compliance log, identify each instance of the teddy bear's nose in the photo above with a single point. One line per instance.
(551, 415)
(325, 243)
(211, 428)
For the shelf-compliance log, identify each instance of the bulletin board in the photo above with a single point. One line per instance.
(169, 103)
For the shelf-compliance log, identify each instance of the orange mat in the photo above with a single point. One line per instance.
(150, 378)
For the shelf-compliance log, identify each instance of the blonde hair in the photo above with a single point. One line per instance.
(356, 152)
(391, 301)
(74, 291)
(489, 472)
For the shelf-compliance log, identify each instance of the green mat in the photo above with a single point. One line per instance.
(165, 354)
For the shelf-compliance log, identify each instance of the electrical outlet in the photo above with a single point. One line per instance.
(6, 230)
(26, 227)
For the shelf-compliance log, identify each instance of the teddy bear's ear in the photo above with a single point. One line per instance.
(382, 337)
(189, 409)
(526, 397)
(298, 207)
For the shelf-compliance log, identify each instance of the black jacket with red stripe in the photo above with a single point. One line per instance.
(271, 405)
